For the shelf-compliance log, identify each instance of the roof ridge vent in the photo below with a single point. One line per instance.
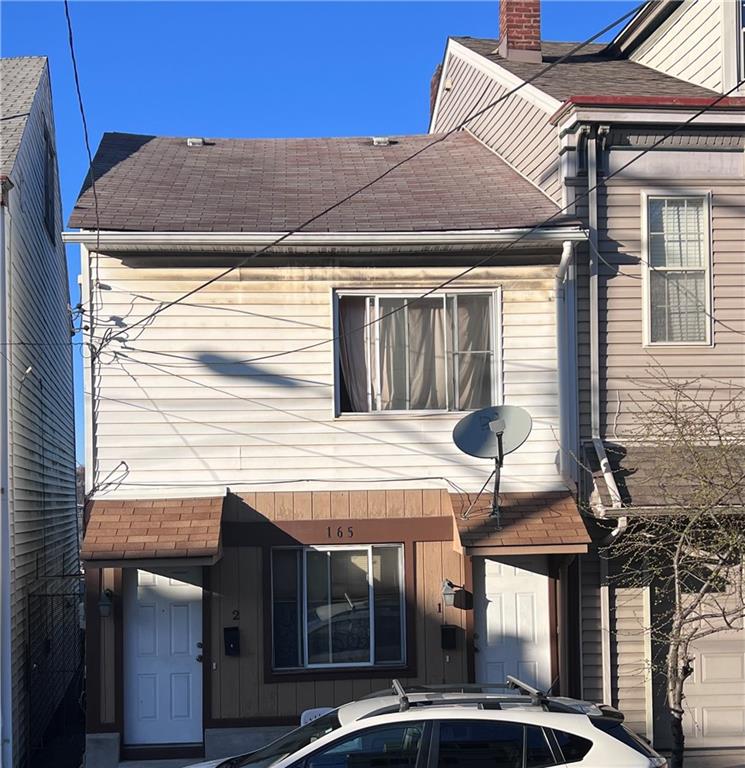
(195, 142)
(381, 141)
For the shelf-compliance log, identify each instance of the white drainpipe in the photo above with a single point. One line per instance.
(592, 203)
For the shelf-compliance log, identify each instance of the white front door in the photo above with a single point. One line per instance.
(512, 632)
(162, 640)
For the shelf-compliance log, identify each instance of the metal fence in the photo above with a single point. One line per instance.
(54, 655)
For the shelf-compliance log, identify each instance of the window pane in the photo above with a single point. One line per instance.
(474, 322)
(537, 752)
(352, 358)
(475, 384)
(393, 358)
(473, 744)
(318, 607)
(574, 748)
(678, 306)
(388, 603)
(426, 343)
(286, 608)
(676, 232)
(338, 607)
(382, 747)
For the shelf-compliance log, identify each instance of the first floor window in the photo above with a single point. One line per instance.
(677, 270)
(404, 353)
(337, 606)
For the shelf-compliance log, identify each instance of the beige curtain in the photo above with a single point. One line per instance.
(427, 369)
(352, 349)
(474, 347)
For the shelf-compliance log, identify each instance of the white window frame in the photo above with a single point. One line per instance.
(302, 591)
(646, 265)
(495, 299)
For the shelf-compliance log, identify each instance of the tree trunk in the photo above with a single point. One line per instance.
(675, 680)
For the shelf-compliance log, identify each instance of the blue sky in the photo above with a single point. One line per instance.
(251, 69)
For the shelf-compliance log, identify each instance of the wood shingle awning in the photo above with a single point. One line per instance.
(531, 524)
(140, 532)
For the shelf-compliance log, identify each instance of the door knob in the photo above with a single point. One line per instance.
(200, 658)
(199, 644)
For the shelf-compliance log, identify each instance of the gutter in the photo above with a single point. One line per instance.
(210, 240)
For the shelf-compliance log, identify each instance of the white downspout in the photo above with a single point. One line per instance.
(6, 701)
(566, 333)
(592, 203)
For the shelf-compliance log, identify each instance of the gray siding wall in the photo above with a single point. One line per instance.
(43, 514)
(590, 623)
(516, 129)
(688, 45)
(627, 365)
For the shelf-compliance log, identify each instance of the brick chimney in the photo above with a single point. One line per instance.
(520, 30)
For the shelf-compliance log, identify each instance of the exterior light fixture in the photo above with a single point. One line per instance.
(449, 591)
(105, 603)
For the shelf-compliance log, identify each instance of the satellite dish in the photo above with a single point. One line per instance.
(492, 433)
(478, 434)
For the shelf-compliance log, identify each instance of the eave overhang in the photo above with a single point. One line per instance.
(729, 110)
(305, 242)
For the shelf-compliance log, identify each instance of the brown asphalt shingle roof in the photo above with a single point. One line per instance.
(527, 520)
(136, 529)
(149, 183)
(19, 80)
(590, 72)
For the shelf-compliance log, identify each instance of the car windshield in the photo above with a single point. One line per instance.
(288, 744)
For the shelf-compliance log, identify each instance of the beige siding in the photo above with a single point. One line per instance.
(199, 396)
(629, 663)
(688, 45)
(516, 129)
(43, 515)
(590, 622)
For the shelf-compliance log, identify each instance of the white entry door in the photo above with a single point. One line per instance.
(512, 631)
(162, 643)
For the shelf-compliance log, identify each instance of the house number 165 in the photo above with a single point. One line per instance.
(340, 532)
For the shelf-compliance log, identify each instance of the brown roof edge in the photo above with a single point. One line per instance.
(128, 532)
(665, 102)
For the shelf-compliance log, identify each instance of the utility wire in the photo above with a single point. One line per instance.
(482, 262)
(111, 336)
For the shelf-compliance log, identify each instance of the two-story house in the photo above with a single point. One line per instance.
(40, 636)
(661, 286)
(276, 497)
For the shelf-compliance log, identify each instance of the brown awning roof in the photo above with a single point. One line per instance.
(132, 531)
(531, 523)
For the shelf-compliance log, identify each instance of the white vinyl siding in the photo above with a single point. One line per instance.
(236, 385)
(676, 262)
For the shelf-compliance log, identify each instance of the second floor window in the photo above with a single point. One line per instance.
(50, 187)
(402, 353)
(678, 293)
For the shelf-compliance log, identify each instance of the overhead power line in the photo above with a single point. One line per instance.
(482, 262)
(472, 116)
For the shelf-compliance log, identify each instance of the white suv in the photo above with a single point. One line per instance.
(430, 728)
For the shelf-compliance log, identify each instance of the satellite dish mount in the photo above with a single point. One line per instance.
(492, 433)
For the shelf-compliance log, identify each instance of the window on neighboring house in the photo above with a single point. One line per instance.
(741, 42)
(402, 353)
(338, 606)
(50, 187)
(677, 268)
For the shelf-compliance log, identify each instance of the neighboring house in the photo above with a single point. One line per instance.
(275, 496)
(39, 615)
(566, 132)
